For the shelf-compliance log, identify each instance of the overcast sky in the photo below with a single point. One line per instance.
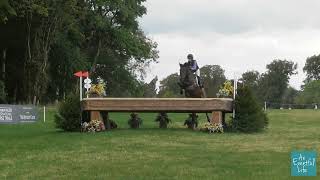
(239, 35)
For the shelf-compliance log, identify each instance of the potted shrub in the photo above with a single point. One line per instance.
(163, 120)
(134, 122)
(192, 121)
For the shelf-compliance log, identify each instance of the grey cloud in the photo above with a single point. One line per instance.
(239, 35)
(229, 17)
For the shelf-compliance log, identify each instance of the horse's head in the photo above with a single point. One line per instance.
(183, 72)
(186, 76)
(188, 82)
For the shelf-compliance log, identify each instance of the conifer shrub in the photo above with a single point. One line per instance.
(68, 116)
(249, 115)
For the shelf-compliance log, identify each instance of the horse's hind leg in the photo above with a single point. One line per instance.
(204, 94)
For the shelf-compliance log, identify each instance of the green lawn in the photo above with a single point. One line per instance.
(39, 151)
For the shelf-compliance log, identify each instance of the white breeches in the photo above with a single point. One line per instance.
(198, 72)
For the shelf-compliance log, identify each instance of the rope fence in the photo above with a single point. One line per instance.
(273, 105)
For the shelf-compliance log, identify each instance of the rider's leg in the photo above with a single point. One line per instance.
(198, 78)
(199, 81)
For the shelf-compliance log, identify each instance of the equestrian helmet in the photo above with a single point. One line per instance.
(190, 56)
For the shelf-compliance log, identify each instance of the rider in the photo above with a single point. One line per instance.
(194, 68)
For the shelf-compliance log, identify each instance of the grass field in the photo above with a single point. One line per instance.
(39, 151)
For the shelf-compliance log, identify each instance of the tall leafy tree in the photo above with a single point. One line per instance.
(6, 11)
(310, 93)
(251, 79)
(312, 68)
(213, 77)
(119, 81)
(150, 89)
(114, 39)
(289, 95)
(169, 86)
(112, 31)
(30, 35)
(45, 41)
(273, 83)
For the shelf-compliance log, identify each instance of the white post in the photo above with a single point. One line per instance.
(234, 89)
(87, 93)
(44, 113)
(234, 96)
(87, 81)
(80, 88)
(265, 106)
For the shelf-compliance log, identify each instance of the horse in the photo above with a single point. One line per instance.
(189, 84)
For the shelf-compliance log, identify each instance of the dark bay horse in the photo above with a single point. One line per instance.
(188, 84)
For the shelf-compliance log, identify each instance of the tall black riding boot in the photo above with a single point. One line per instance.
(199, 82)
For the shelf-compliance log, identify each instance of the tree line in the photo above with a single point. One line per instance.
(43, 42)
(271, 86)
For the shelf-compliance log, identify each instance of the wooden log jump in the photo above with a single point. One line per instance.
(217, 106)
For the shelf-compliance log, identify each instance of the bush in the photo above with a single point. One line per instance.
(134, 122)
(68, 116)
(163, 120)
(249, 115)
(192, 121)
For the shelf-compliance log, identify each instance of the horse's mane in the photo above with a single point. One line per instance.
(185, 64)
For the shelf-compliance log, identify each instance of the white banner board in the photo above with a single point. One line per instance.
(17, 114)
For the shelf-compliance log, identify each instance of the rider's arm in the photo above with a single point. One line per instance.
(194, 66)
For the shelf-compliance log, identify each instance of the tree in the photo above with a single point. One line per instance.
(249, 115)
(65, 57)
(6, 10)
(213, 78)
(312, 68)
(120, 82)
(310, 93)
(169, 86)
(3, 94)
(114, 39)
(251, 79)
(46, 41)
(29, 36)
(289, 95)
(150, 89)
(273, 83)
(112, 31)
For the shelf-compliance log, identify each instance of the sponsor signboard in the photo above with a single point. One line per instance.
(17, 114)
